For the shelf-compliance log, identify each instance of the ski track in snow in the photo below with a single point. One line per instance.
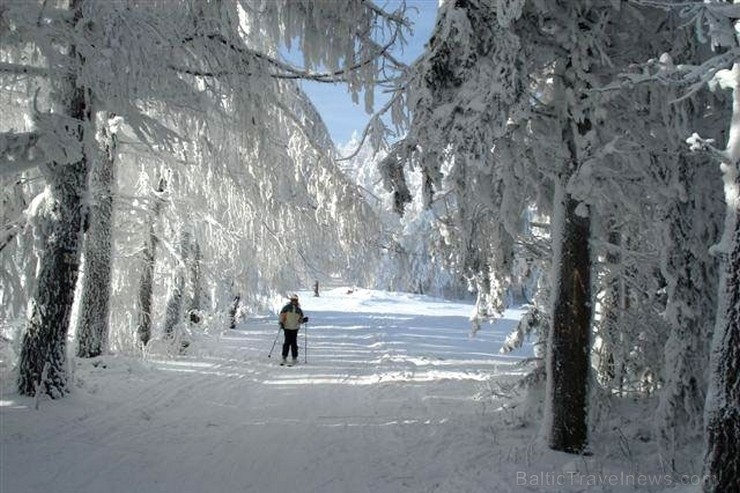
(386, 403)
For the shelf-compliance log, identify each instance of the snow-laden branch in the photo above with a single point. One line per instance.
(664, 71)
(714, 21)
(284, 70)
(373, 125)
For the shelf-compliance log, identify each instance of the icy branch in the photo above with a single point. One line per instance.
(371, 125)
(202, 73)
(284, 70)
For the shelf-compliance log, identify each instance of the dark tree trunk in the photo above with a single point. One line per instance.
(173, 315)
(148, 255)
(92, 326)
(232, 312)
(196, 289)
(43, 349)
(43, 359)
(146, 286)
(569, 342)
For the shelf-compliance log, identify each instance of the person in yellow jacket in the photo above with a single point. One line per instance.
(291, 318)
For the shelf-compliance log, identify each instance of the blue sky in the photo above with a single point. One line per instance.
(333, 101)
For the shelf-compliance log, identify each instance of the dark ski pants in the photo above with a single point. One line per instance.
(291, 342)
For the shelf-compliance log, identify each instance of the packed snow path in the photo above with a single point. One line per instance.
(386, 403)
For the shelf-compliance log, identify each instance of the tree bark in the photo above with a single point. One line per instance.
(722, 411)
(93, 323)
(148, 255)
(196, 288)
(722, 408)
(569, 341)
(43, 359)
(173, 315)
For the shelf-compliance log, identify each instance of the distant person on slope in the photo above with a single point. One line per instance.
(291, 318)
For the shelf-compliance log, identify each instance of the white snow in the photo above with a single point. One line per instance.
(395, 397)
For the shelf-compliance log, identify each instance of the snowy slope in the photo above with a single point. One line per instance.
(395, 398)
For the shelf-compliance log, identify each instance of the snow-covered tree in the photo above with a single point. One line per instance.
(716, 23)
(515, 105)
(174, 75)
(470, 98)
(657, 209)
(722, 408)
(92, 323)
(43, 353)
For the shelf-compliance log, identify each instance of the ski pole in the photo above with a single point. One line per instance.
(305, 341)
(274, 342)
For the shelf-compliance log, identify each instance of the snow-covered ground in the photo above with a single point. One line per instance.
(395, 397)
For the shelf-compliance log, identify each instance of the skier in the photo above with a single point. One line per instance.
(291, 318)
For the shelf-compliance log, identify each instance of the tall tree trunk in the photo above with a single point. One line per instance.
(691, 278)
(148, 255)
(173, 315)
(569, 342)
(92, 325)
(611, 357)
(196, 289)
(722, 409)
(43, 359)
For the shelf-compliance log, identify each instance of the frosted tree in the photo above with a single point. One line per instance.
(216, 66)
(195, 301)
(148, 255)
(472, 95)
(657, 208)
(175, 302)
(92, 324)
(449, 143)
(716, 23)
(414, 254)
(43, 355)
(722, 408)
(509, 111)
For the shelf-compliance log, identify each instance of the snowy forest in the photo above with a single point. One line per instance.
(164, 174)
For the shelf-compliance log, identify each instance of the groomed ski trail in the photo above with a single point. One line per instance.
(386, 403)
